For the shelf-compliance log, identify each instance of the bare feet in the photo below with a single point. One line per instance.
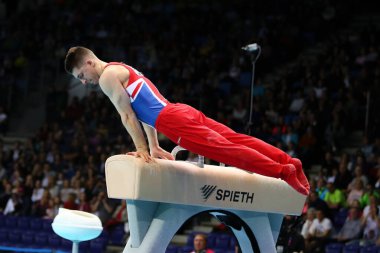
(300, 174)
(289, 175)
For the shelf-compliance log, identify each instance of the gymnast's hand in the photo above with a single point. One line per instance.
(144, 154)
(158, 152)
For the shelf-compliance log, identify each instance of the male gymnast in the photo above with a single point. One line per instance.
(138, 100)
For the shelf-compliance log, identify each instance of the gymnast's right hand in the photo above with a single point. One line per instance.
(144, 154)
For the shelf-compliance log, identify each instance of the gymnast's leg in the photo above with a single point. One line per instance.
(264, 148)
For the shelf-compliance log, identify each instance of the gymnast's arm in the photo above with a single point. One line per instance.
(155, 149)
(111, 82)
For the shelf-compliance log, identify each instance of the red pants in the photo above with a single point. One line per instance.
(192, 130)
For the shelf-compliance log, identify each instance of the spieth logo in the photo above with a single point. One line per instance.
(226, 195)
(207, 190)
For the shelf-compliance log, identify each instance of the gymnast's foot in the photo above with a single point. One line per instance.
(289, 175)
(300, 174)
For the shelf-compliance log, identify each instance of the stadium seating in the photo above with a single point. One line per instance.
(334, 248)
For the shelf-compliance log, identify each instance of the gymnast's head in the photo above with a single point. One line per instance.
(83, 64)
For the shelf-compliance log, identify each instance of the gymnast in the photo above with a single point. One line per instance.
(137, 99)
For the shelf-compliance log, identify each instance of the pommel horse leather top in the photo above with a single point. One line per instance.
(182, 182)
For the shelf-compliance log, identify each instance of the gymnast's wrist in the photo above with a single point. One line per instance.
(153, 148)
(142, 149)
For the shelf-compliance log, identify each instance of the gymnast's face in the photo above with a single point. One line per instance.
(86, 73)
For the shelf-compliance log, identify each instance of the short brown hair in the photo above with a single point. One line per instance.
(74, 57)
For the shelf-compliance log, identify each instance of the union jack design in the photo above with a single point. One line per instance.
(134, 88)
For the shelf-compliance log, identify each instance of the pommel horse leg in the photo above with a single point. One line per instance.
(153, 225)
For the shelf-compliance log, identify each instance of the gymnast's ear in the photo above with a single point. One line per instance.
(90, 62)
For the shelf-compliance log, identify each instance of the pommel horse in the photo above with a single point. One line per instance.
(161, 196)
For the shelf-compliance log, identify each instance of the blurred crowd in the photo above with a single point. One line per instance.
(343, 204)
(191, 51)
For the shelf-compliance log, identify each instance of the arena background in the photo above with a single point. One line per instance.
(315, 96)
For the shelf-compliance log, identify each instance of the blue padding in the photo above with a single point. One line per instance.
(5, 248)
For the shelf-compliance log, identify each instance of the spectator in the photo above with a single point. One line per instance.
(319, 233)
(40, 207)
(84, 204)
(14, 204)
(48, 173)
(343, 178)
(311, 215)
(358, 174)
(318, 204)
(59, 181)
(357, 192)
(331, 178)
(334, 198)
(377, 184)
(373, 202)
(119, 216)
(53, 208)
(322, 187)
(70, 202)
(200, 244)
(53, 187)
(102, 207)
(290, 149)
(355, 203)
(366, 197)
(290, 136)
(370, 224)
(351, 228)
(77, 187)
(16, 175)
(65, 190)
(313, 184)
(37, 171)
(5, 193)
(291, 238)
(38, 191)
(27, 196)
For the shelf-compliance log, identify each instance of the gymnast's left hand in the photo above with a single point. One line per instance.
(144, 154)
(158, 152)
